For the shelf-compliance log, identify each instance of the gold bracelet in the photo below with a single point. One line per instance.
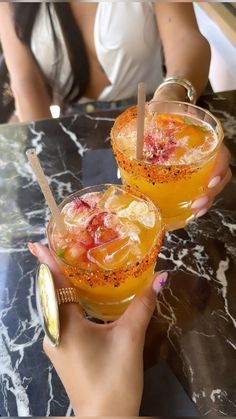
(188, 86)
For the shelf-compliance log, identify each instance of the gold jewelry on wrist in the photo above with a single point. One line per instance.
(48, 298)
(191, 94)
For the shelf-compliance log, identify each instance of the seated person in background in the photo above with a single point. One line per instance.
(101, 365)
(100, 51)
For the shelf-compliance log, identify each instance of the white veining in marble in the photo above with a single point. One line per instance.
(221, 278)
(81, 148)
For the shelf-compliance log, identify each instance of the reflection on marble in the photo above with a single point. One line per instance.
(194, 327)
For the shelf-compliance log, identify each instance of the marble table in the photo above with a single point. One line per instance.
(194, 328)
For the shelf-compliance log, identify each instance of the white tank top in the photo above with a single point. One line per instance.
(127, 44)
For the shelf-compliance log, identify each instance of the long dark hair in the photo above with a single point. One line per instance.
(24, 17)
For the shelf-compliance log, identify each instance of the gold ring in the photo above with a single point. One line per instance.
(48, 298)
(67, 295)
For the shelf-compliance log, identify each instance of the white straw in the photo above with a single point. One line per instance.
(140, 120)
(43, 183)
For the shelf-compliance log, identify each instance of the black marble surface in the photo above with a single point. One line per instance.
(194, 327)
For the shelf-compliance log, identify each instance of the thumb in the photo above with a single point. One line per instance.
(141, 309)
(45, 255)
(70, 313)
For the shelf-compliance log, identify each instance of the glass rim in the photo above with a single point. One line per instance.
(217, 130)
(159, 234)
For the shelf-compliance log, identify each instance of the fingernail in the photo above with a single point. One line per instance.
(214, 181)
(201, 213)
(32, 249)
(159, 282)
(200, 202)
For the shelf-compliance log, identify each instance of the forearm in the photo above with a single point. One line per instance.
(27, 82)
(101, 397)
(186, 52)
(111, 402)
(32, 100)
(105, 410)
(191, 61)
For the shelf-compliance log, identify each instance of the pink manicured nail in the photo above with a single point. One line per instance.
(200, 202)
(159, 282)
(32, 249)
(201, 213)
(214, 181)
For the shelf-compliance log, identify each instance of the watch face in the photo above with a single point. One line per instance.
(47, 304)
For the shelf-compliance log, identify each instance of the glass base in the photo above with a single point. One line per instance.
(106, 311)
(175, 223)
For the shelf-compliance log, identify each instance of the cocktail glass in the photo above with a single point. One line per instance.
(180, 146)
(110, 248)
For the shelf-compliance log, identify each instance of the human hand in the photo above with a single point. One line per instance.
(221, 173)
(101, 365)
(219, 177)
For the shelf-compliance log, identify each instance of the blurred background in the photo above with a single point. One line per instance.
(217, 22)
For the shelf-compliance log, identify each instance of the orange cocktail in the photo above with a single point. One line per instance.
(180, 146)
(109, 250)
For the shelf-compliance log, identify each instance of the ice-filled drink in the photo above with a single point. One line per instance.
(113, 235)
(179, 153)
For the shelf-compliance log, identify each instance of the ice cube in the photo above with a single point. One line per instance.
(111, 255)
(129, 230)
(111, 220)
(114, 199)
(136, 251)
(104, 235)
(80, 219)
(91, 198)
(74, 253)
(139, 211)
(127, 140)
(78, 214)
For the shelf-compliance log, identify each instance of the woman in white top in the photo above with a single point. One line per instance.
(99, 51)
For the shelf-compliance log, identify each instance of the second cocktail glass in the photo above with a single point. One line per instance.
(180, 146)
(109, 251)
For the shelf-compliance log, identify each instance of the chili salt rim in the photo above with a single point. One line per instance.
(160, 173)
(113, 277)
(97, 277)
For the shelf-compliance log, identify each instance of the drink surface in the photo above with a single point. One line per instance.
(169, 139)
(106, 230)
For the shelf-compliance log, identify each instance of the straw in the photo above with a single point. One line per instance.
(140, 120)
(43, 183)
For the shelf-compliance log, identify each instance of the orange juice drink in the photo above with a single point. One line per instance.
(113, 235)
(179, 153)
